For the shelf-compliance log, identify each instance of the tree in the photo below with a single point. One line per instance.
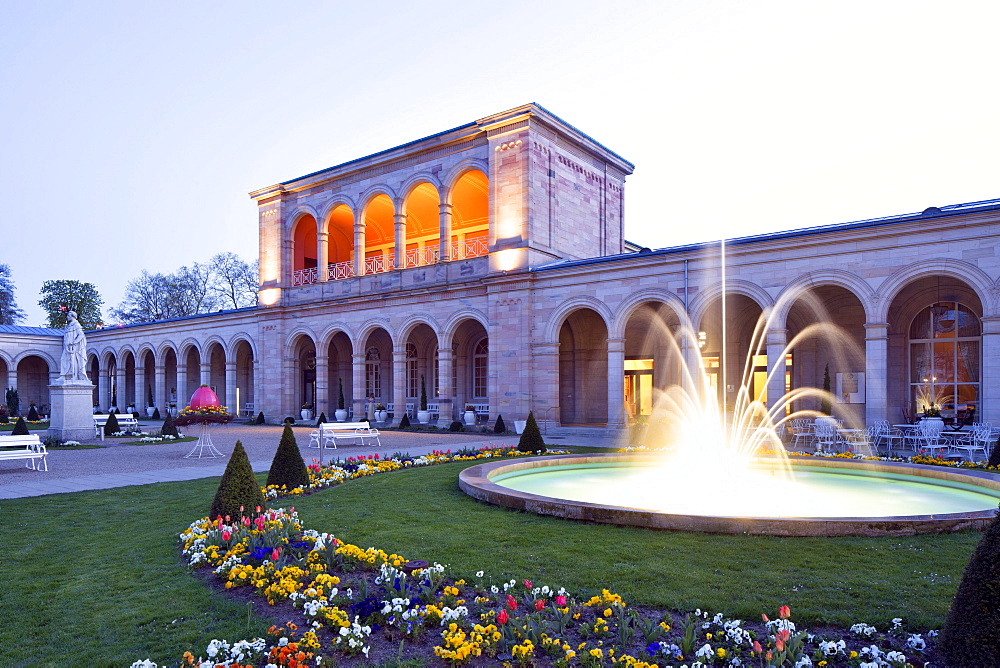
(9, 313)
(62, 296)
(238, 494)
(531, 437)
(287, 468)
(235, 284)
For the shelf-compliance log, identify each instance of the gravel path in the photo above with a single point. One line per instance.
(123, 465)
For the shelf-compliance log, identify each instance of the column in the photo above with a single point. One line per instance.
(545, 385)
(399, 382)
(446, 392)
(445, 219)
(360, 395)
(400, 241)
(182, 386)
(616, 384)
(103, 387)
(323, 255)
(323, 403)
(359, 251)
(989, 377)
(140, 388)
(876, 371)
(230, 393)
(205, 374)
(775, 340)
(160, 386)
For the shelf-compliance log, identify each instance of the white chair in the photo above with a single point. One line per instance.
(803, 433)
(888, 437)
(827, 438)
(927, 438)
(978, 440)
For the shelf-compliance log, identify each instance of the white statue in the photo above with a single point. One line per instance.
(73, 364)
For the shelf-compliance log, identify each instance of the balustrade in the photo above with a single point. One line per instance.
(339, 270)
(475, 247)
(417, 258)
(305, 276)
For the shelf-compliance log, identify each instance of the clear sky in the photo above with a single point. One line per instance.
(131, 132)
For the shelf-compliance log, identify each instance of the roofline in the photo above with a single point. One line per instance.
(213, 314)
(928, 214)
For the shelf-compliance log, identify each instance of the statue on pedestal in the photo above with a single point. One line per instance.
(73, 363)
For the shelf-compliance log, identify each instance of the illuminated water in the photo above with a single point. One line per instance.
(760, 491)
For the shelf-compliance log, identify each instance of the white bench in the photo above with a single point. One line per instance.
(28, 447)
(329, 433)
(125, 421)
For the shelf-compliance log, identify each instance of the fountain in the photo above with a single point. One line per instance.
(724, 469)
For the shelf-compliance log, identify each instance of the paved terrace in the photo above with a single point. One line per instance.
(125, 465)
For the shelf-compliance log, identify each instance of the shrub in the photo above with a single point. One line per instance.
(156, 414)
(969, 635)
(499, 427)
(405, 422)
(238, 488)
(340, 394)
(135, 415)
(423, 394)
(260, 418)
(531, 437)
(32, 414)
(456, 426)
(4, 418)
(169, 428)
(288, 420)
(287, 467)
(995, 455)
(20, 428)
(321, 419)
(111, 426)
(13, 401)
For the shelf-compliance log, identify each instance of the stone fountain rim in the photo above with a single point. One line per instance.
(476, 482)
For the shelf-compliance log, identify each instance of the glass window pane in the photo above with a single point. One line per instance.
(943, 320)
(968, 362)
(968, 322)
(967, 396)
(944, 363)
(920, 327)
(920, 363)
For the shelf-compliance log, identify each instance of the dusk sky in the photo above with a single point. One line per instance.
(131, 132)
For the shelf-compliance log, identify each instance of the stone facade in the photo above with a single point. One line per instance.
(489, 263)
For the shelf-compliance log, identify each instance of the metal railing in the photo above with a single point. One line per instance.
(339, 270)
(476, 247)
(378, 263)
(305, 276)
(418, 258)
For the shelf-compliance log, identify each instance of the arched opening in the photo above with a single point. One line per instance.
(652, 359)
(340, 242)
(380, 236)
(4, 373)
(470, 215)
(217, 372)
(338, 354)
(421, 366)
(724, 374)
(93, 375)
(191, 366)
(170, 379)
(149, 380)
(245, 396)
(305, 354)
(935, 348)
(127, 397)
(470, 366)
(583, 369)
(835, 348)
(378, 367)
(110, 398)
(33, 384)
(304, 252)
(423, 228)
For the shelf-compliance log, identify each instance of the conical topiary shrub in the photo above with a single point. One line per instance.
(32, 414)
(111, 426)
(238, 488)
(321, 419)
(287, 467)
(531, 437)
(20, 428)
(995, 454)
(969, 635)
(260, 418)
(405, 422)
(156, 414)
(456, 426)
(169, 428)
(499, 427)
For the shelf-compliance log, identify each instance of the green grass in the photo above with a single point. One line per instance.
(95, 578)
(36, 426)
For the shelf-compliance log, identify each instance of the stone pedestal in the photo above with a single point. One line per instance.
(72, 414)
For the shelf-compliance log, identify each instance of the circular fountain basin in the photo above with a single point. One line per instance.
(821, 497)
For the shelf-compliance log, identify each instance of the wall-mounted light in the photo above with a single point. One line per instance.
(702, 340)
(269, 296)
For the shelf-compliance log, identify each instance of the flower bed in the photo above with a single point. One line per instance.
(364, 605)
(202, 415)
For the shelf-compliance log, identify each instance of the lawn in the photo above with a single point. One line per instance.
(95, 577)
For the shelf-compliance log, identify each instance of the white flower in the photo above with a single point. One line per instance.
(479, 574)
(915, 641)
(804, 661)
(706, 652)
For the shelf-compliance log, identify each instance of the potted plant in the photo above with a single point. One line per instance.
(306, 411)
(150, 404)
(381, 414)
(470, 415)
(423, 415)
(341, 413)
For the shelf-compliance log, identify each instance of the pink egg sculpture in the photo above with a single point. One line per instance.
(204, 397)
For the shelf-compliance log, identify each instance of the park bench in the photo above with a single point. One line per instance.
(27, 447)
(330, 432)
(126, 421)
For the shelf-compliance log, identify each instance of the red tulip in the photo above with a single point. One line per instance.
(784, 612)
(539, 605)
(527, 584)
(226, 535)
(784, 634)
(511, 603)
(757, 649)
(503, 617)
(779, 644)
(764, 617)
(275, 554)
(561, 600)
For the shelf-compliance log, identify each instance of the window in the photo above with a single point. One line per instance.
(479, 366)
(373, 373)
(945, 340)
(412, 378)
